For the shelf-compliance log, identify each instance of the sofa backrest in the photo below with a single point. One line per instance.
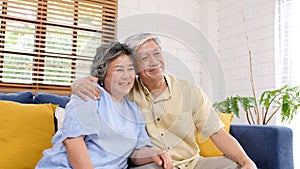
(38, 98)
(20, 97)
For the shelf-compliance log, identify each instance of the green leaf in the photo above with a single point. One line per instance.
(229, 105)
(286, 99)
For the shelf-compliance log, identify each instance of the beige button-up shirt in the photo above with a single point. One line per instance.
(175, 118)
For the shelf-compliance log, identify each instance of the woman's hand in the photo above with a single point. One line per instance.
(147, 155)
(163, 159)
(86, 87)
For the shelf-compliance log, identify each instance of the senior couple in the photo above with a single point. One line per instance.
(151, 119)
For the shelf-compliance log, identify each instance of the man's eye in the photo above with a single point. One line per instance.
(157, 54)
(119, 70)
(145, 58)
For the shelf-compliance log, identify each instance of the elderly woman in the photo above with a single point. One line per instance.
(102, 134)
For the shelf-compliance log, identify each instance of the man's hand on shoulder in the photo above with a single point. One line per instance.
(86, 86)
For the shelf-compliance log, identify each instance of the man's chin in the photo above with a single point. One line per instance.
(155, 75)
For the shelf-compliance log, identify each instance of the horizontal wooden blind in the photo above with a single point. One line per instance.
(46, 44)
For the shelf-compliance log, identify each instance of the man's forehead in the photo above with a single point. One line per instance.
(147, 50)
(148, 44)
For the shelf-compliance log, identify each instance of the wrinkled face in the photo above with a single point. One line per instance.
(150, 62)
(119, 77)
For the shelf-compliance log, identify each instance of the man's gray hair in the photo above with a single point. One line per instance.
(105, 53)
(136, 40)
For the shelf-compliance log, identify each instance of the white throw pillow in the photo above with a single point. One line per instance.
(60, 116)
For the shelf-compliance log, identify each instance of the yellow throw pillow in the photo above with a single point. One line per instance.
(208, 148)
(25, 131)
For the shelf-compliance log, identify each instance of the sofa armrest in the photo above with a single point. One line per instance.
(270, 147)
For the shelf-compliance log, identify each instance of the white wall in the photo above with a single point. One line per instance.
(233, 50)
(182, 27)
(204, 40)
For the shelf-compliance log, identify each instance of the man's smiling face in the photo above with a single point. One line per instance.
(150, 62)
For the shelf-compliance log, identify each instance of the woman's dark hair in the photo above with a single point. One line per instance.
(105, 53)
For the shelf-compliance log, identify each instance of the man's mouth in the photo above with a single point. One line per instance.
(154, 70)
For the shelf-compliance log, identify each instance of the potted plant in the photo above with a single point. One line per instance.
(285, 100)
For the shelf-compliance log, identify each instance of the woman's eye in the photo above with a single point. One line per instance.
(131, 69)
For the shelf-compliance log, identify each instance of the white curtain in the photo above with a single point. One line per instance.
(287, 49)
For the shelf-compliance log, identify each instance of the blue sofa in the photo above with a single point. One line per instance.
(270, 147)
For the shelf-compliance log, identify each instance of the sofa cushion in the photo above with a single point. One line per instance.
(26, 130)
(21, 97)
(208, 148)
(41, 98)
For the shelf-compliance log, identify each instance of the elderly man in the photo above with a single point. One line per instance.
(175, 111)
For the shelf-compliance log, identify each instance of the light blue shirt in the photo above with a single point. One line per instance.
(112, 131)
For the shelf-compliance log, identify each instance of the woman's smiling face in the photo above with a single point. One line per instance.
(119, 77)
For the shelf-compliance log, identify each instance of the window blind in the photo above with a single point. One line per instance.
(46, 44)
(287, 33)
(283, 30)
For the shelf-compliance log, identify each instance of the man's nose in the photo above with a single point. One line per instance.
(153, 60)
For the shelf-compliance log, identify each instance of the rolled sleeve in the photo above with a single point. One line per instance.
(210, 121)
(81, 118)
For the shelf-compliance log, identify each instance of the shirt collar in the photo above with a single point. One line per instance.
(168, 79)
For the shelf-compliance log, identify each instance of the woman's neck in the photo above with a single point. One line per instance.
(117, 99)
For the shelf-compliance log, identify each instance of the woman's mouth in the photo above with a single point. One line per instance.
(124, 84)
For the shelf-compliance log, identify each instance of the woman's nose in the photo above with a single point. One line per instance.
(127, 74)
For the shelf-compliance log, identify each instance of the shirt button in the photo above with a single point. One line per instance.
(162, 134)
(158, 119)
(168, 148)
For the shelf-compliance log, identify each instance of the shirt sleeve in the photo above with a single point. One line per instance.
(210, 121)
(81, 118)
(143, 138)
